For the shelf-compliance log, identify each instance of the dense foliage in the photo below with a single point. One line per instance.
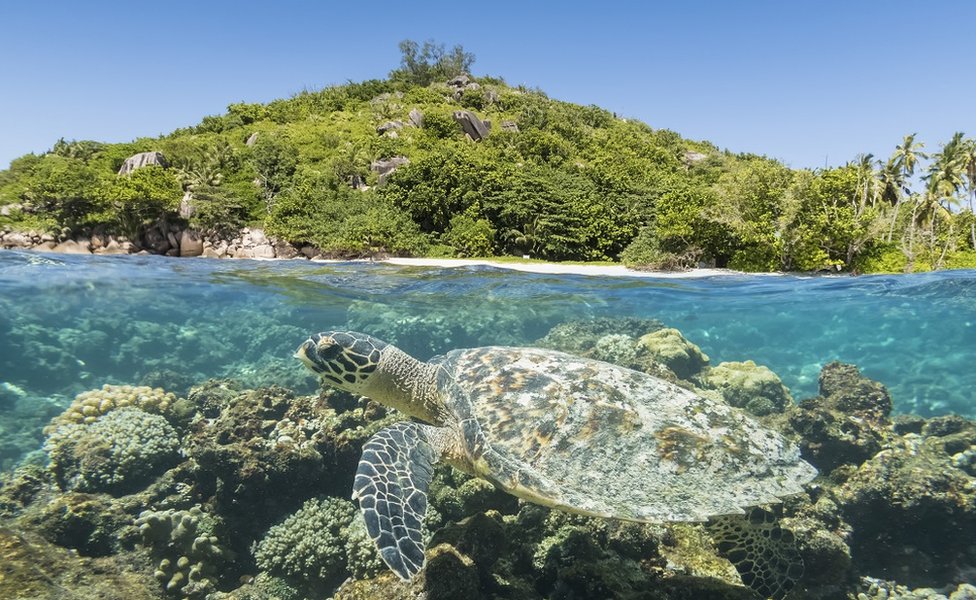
(551, 180)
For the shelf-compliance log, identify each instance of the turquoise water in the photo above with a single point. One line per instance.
(72, 323)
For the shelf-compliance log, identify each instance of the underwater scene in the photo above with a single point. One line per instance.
(160, 439)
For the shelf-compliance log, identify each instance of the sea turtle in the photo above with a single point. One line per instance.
(575, 434)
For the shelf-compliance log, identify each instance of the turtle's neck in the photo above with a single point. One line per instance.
(408, 385)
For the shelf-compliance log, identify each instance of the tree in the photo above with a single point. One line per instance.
(749, 203)
(945, 178)
(145, 195)
(275, 160)
(63, 188)
(897, 173)
(970, 163)
(422, 65)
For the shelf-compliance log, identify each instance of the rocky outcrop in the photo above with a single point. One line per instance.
(416, 118)
(73, 247)
(386, 166)
(143, 159)
(167, 240)
(389, 127)
(252, 139)
(474, 127)
(462, 83)
(510, 126)
(191, 243)
(24, 239)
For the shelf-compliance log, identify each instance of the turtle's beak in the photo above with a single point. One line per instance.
(306, 354)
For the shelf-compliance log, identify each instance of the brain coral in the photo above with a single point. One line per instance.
(115, 453)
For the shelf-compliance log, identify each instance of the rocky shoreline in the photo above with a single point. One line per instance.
(164, 240)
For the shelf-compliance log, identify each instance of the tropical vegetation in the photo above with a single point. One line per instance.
(550, 180)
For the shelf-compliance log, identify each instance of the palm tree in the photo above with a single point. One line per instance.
(899, 170)
(970, 163)
(945, 178)
(867, 181)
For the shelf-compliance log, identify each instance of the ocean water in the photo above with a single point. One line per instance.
(73, 323)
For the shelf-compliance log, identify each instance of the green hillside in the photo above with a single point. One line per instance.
(550, 179)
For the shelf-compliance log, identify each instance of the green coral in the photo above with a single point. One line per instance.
(317, 544)
(115, 453)
(189, 554)
(747, 385)
(669, 347)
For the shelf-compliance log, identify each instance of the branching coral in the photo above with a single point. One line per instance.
(318, 543)
(189, 553)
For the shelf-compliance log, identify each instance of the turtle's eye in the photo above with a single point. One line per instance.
(343, 359)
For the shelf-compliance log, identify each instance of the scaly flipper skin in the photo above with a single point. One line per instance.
(764, 554)
(391, 485)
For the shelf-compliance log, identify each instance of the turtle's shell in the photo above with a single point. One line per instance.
(597, 439)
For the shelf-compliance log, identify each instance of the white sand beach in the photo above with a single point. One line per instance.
(558, 268)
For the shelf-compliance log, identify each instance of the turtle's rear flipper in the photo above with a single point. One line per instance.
(391, 485)
(764, 554)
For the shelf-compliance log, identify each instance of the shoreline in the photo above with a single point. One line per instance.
(551, 268)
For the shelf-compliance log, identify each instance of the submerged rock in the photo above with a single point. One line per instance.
(907, 508)
(32, 568)
(747, 385)
(847, 423)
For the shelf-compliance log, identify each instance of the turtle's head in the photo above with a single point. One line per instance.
(344, 359)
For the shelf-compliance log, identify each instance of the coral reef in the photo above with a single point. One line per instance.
(317, 545)
(189, 555)
(239, 494)
(116, 452)
(747, 385)
(876, 589)
(88, 406)
(670, 348)
(32, 568)
(847, 423)
(914, 500)
(581, 337)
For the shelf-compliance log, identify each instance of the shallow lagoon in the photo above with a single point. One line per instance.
(74, 323)
(229, 491)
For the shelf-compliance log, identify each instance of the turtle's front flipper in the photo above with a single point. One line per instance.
(764, 554)
(391, 485)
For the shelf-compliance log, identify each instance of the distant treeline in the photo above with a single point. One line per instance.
(395, 166)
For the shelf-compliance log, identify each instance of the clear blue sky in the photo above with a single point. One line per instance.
(807, 82)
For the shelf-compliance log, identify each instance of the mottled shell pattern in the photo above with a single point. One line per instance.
(597, 439)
